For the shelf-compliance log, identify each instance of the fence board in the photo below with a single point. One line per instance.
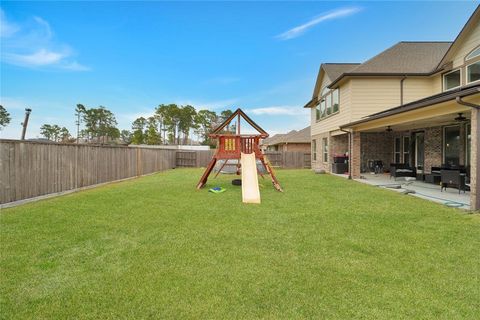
(30, 169)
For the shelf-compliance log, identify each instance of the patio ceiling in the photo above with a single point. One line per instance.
(443, 120)
(435, 115)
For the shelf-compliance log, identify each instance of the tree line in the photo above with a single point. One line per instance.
(174, 124)
(168, 124)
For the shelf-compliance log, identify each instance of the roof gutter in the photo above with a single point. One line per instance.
(467, 104)
(383, 74)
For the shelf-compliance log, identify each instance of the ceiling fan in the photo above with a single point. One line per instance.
(460, 117)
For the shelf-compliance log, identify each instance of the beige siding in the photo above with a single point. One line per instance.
(371, 95)
(417, 88)
(334, 121)
(437, 84)
(471, 41)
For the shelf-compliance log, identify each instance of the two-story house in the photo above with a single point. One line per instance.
(415, 104)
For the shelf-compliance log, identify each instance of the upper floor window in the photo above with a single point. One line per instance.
(451, 80)
(473, 72)
(475, 53)
(335, 100)
(329, 103)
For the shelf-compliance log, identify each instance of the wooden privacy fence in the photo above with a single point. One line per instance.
(31, 169)
(198, 158)
(289, 159)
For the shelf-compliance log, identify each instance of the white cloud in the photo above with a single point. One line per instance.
(7, 28)
(279, 111)
(335, 14)
(32, 45)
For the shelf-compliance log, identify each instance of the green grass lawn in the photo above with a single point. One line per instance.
(155, 247)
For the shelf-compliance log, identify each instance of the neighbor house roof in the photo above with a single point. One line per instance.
(272, 140)
(302, 136)
(404, 58)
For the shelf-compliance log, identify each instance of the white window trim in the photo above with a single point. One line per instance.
(447, 73)
(470, 58)
(466, 73)
(314, 149)
(325, 150)
(395, 151)
(403, 148)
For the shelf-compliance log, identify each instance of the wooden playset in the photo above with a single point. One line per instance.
(232, 146)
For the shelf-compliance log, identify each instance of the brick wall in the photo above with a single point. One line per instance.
(338, 145)
(433, 148)
(376, 146)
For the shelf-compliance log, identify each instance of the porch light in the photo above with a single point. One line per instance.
(389, 129)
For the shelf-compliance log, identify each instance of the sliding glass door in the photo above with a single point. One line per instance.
(451, 145)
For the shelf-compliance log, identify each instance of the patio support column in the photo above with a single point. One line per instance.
(475, 161)
(355, 157)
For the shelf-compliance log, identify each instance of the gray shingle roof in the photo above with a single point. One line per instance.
(302, 136)
(335, 70)
(406, 57)
(272, 140)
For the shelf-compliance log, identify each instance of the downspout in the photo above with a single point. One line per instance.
(401, 89)
(349, 153)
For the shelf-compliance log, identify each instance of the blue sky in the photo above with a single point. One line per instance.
(132, 56)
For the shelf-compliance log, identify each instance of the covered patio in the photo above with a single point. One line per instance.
(422, 147)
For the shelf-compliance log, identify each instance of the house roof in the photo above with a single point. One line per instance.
(335, 70)
(272, 140)
(472, 21)
(302, 136)
(404, 58)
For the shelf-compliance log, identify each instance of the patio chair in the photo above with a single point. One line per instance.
(453, 178)
(398, 170)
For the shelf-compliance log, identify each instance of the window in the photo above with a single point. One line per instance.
(325, 149)
(451, 80)
(329, 103)
(317, 112)
(473, 72)
(314, 149)
(451, 145)
(335, 100)
(475, 53)
(406, 150)
(397, 151)
(468, 137)
(323, 112)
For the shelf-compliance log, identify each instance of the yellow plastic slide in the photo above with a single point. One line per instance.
(250, 190)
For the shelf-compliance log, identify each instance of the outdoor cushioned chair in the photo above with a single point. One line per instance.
(453, 178)
(398, 170)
